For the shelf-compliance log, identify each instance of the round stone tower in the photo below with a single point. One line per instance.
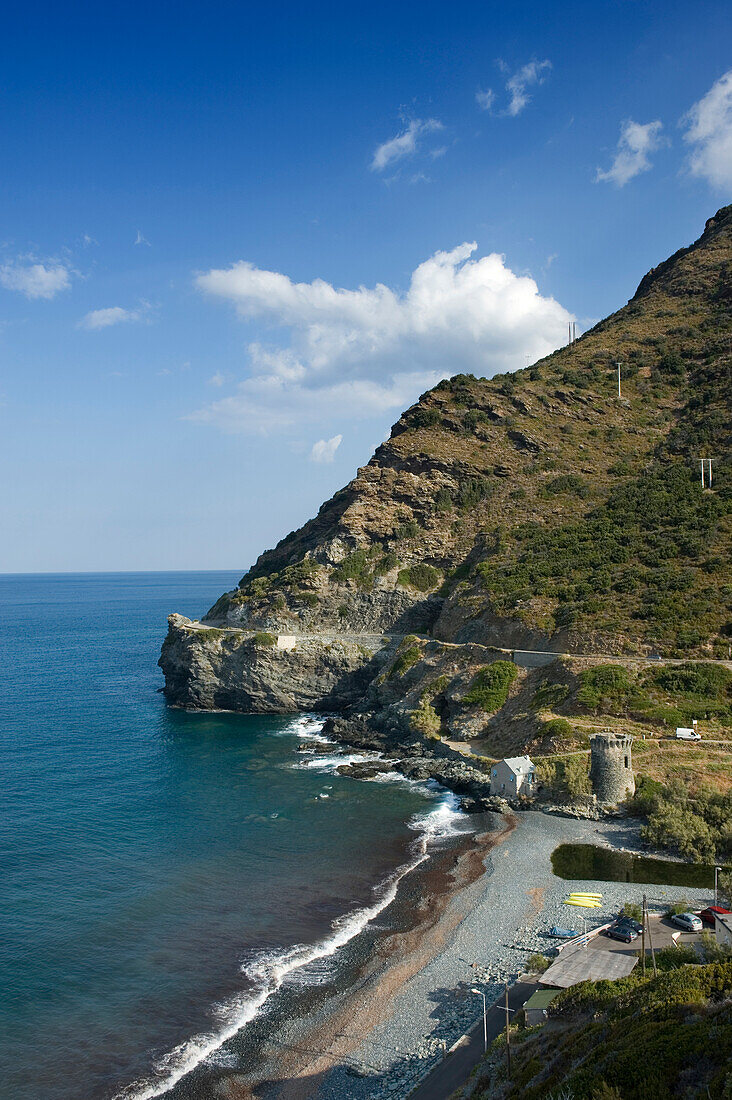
(611, 767)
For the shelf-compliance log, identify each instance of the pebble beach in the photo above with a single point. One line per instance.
(382, 1039)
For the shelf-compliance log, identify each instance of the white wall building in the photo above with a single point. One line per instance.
(512, 776)
(723, 929)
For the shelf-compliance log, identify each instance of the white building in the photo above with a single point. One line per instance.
(512, 776)
(723, 929)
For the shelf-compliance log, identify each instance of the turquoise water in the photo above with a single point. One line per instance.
(157, 867)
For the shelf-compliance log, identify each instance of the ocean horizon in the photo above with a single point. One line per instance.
(164, 872)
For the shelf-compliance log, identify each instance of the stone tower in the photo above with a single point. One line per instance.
(611, 767)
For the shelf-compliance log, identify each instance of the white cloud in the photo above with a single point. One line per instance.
(368, 351)
(635, 144)
(485, 99)
(113, 315)
(528, 76)
(324, 450)
(709, 132)
(140, 239)
(405, 144)
(217, 379)
(35, 280)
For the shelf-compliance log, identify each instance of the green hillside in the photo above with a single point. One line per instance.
(635, 1039)
(539, 507)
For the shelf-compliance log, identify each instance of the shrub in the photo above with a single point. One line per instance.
(420, 576)
(676, 907)
(385, 564)
(632, 910)
(549, 695)
(355, 567)
(264, 639)
(489, 687)
(407, 529)
(605, 682)
(425, 719)
(425, 418)
(557, 727)
(577, 776)
(210, 635)
(409, 653)
(471, 492)
(443, 500)
(308, 598)
(567, 483)
(537, 964)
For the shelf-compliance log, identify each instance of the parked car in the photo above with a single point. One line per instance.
(631, 923)
(707, 915)
(621, 931)
(688, 921)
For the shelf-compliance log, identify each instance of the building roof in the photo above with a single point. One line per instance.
(541, 998)
(725, 919)
(520, 765)
(579, 965)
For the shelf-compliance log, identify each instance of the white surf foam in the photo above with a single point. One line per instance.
(268, 971)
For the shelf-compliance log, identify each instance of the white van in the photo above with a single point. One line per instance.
(683, 733)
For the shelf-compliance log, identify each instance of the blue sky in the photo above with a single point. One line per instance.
(238, 239)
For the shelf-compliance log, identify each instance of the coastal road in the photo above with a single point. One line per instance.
(529, 658)
(454, 1070)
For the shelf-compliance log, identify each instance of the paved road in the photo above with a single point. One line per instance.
(540, 656)
(455, 1068)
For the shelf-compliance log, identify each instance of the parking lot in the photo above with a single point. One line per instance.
(580, 962)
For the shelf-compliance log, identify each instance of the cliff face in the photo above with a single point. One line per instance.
(531, 510)
(214, 669)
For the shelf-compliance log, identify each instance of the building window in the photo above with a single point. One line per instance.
(626, 762)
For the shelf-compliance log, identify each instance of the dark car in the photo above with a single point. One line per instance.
(707, 915)
(631, 923)
(622, 931)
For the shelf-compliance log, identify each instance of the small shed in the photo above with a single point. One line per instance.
(512, 776)
(537, 1004)
(723, 929)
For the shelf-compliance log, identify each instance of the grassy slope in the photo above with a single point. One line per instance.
(542, 501)
(633, 1039)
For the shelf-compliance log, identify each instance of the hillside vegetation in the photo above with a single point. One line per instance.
(635, 1039)
(539, 508)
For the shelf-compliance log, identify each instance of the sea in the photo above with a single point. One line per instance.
(165, 876)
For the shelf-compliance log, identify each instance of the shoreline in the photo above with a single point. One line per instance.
(408, 1000)
(383, 1003)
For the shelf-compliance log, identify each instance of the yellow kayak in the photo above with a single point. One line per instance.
(588, 897)
(583, 904)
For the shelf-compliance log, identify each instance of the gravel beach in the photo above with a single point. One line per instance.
(383, 1038)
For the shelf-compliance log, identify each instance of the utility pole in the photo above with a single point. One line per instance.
(619, 393)
(650, 938)
(508, 1037)
(643, 937)
(716, 877)
(706, 468)
(481, 993)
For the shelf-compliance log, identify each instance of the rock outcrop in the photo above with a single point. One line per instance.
(213, 669)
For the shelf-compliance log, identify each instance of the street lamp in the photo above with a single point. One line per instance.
(716, 876)
(480, 993)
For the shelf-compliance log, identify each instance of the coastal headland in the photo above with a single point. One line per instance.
(529, 560)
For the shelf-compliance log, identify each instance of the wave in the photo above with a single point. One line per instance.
(269, 970)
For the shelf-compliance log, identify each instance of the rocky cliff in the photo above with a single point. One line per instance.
(537, 510)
